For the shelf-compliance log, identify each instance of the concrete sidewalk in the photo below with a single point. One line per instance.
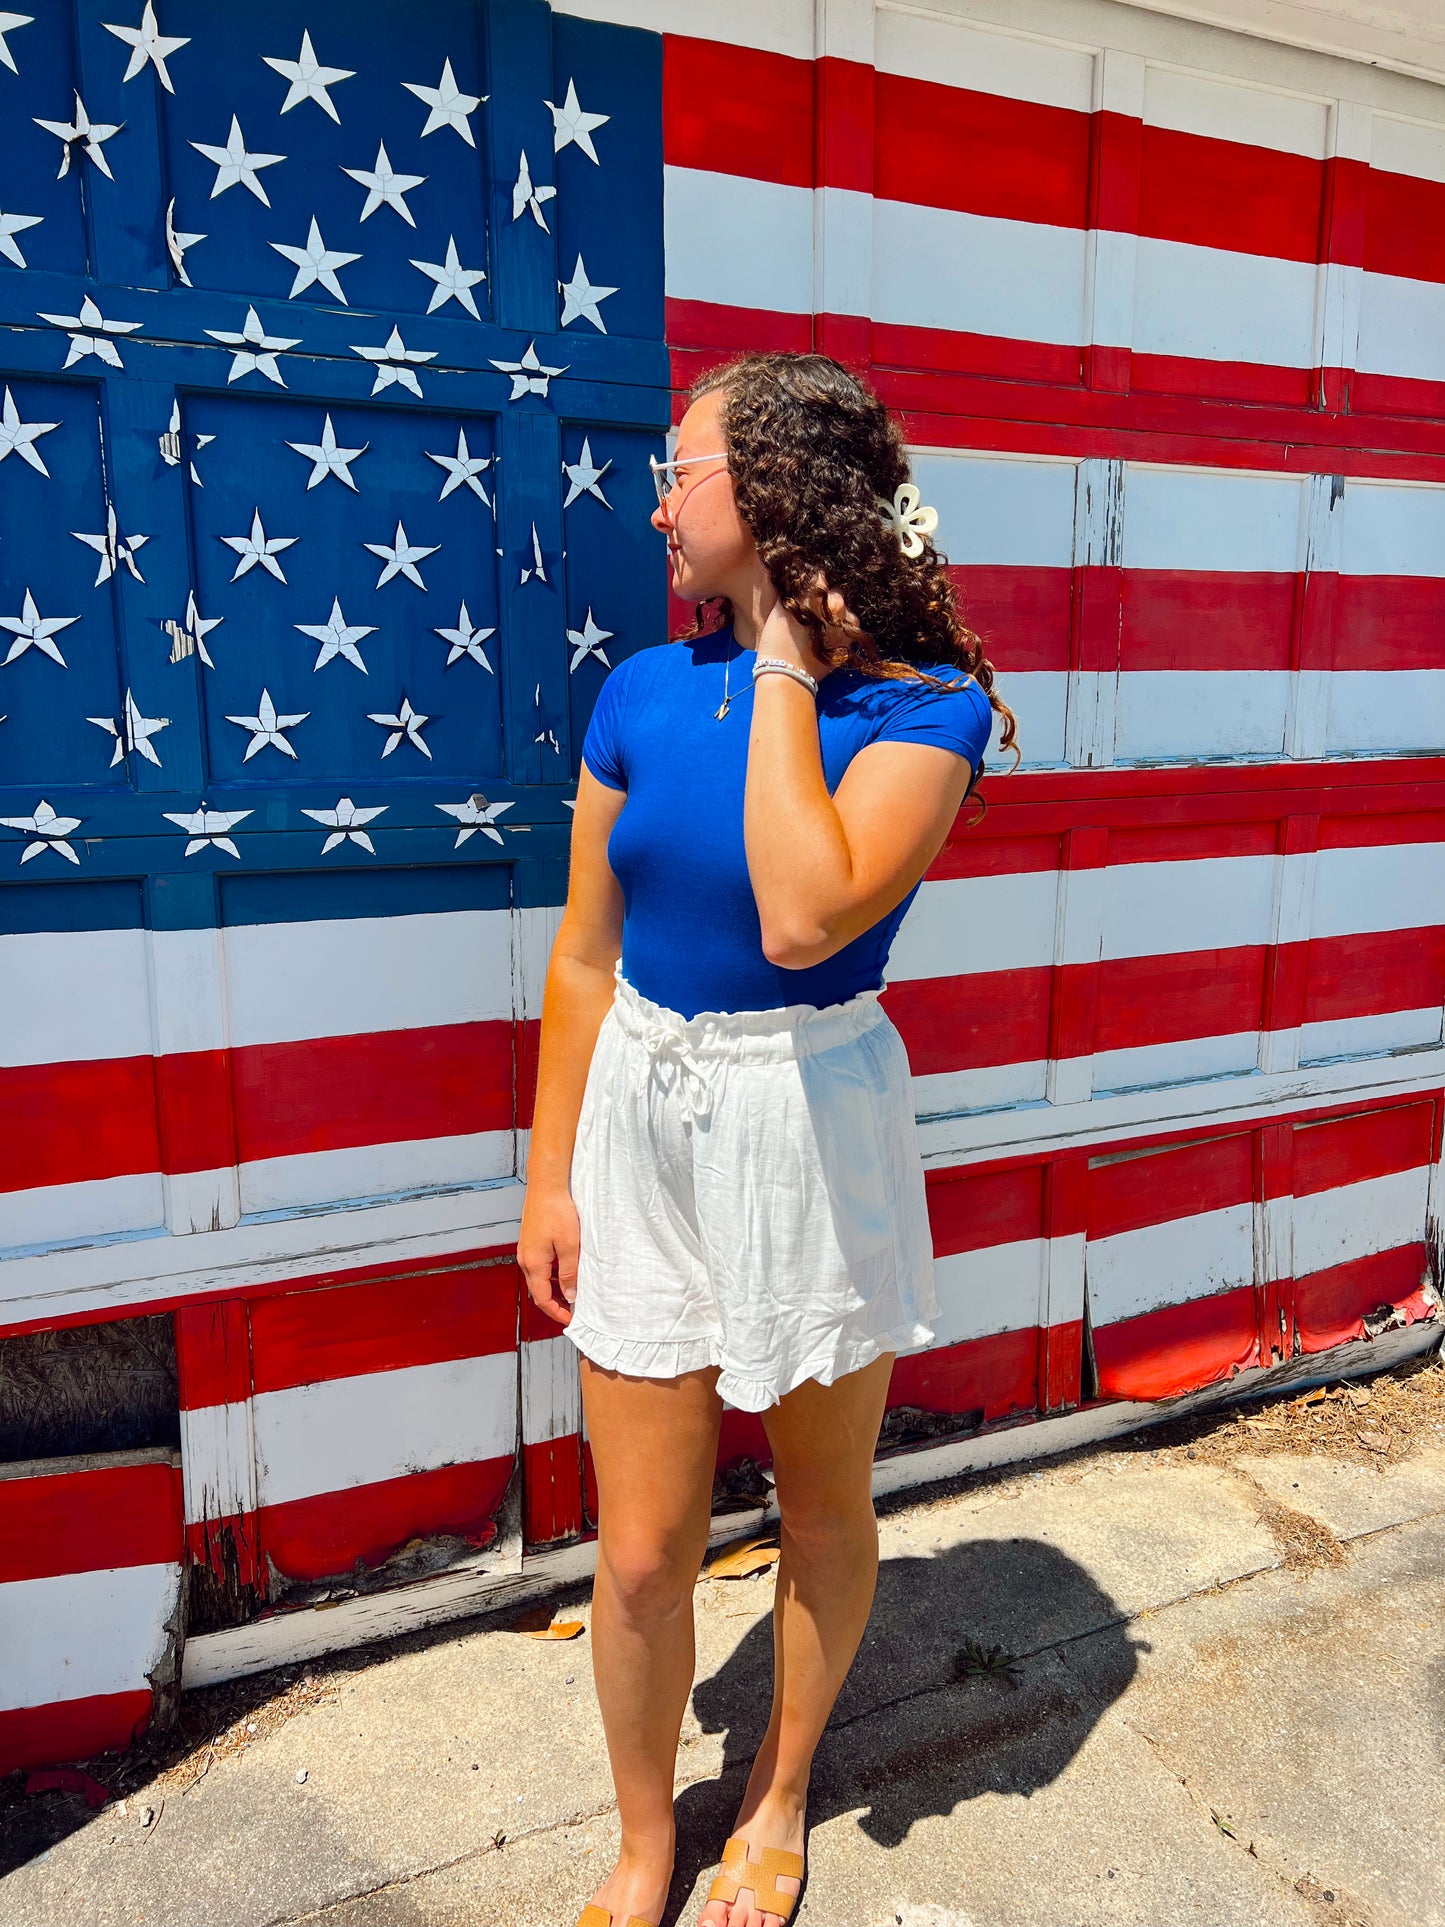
(1219, 1698)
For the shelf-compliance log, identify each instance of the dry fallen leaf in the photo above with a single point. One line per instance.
(1374, 1441)
(750, 1557)
(537, 1624)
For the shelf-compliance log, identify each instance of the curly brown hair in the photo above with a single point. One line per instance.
(812, 451)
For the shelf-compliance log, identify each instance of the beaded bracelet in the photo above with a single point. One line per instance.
(762, 664)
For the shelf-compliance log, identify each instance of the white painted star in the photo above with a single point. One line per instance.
(267, 728)
(316, 262)
(254, 349)
(132, 731)
(346, 821)
(10, 226)
(546, 734)
(208, 828)
(309, 79)
(49, 830)
(463, 468)
(148, 43)
(405, 725)
(584, 477)
(466, 640)
(449, 105)
(384, 186)
(258, 547)
(234, 164)
(83, 129)
(189, 638)
(329, 459)
(113, 548)
(529, 374)
(570, 124)
(476, 814)
(31, 630)
(528, 199)
(393, 363)
(90, 333)
(337, 637)
(19, 438)
(400, 557)
(177, 243)
(536, 568)
(8, 23)
(588, 641)
(453, 281)
(581, 296)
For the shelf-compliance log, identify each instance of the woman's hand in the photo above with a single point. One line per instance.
(551, 1237)
(783, 635)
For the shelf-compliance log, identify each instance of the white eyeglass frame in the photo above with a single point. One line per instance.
(659, 468)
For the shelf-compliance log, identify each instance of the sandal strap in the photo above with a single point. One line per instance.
(739, 1871)
(594, 1916)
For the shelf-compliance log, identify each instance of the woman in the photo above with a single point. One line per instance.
(725, 1196)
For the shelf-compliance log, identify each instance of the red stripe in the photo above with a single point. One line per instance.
(330, 1093)
(70, 1123)
(1199, 619)
(971, 1210)
(737, 110)
(1389, 622)
(1330, 1306)
(1405, 226)
(1166, 999)
(981, 856)
(969, 1022)
(197, 1132)
(324, 1537)
(1212, 193)
(997, 1377)
(1179, 1347)
(977, 153)
(1189, 842)
(552, 1489)
(1159, 1187)
(1397, 395)
(213, 1354)
(1394, 1137)
(90, 1521)
(1022, 615)
(1359, 976)
(1381, 828)
(387, 1324)
(71, 1730)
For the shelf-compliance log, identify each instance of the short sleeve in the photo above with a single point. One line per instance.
(603, 746)
(956, 719)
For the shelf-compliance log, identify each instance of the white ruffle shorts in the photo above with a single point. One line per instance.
(750, 1193)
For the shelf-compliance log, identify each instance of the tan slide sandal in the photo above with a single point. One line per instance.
(738, 1871)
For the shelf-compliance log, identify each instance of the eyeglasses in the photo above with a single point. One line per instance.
(664, 478)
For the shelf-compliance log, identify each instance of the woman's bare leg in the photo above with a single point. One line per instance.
(654, 1449)
(823, 1438)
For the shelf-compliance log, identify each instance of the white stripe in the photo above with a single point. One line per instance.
(999, 1288)
(1402, 328)
(843, 251)
(342, 978)
(1214, 304)
(1391, 1030)
(1393, 528)
(1002, 514)
(1383, 886)
(1233, 111)
(1359, 1220)
(218, 1461)
(60, 1214)
(551, 1390)
(1039, 700)
(1201, 713)
(77, 1635)
(1171, 1263)
(374, 1171)
(1401, 710)
(1165, 909)
(73, 996)
(995, 1087)
(959, 926)
(955, 53)
(1401, 146)
(1145, 1066)
(976, 274)
(1209, 519)
(772, 26)
(745, 243)
(347, 1432)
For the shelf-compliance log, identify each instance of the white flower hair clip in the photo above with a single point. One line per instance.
(909, 518)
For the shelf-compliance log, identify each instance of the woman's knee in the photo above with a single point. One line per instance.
(652, 1573)
(823, 1518)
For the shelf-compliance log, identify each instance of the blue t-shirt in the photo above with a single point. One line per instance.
(691, 937)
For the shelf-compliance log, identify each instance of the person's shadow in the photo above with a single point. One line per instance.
(964, 1683)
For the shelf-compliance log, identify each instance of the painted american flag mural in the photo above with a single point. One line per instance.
(335, 345)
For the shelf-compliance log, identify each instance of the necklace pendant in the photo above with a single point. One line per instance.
(722, 709)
